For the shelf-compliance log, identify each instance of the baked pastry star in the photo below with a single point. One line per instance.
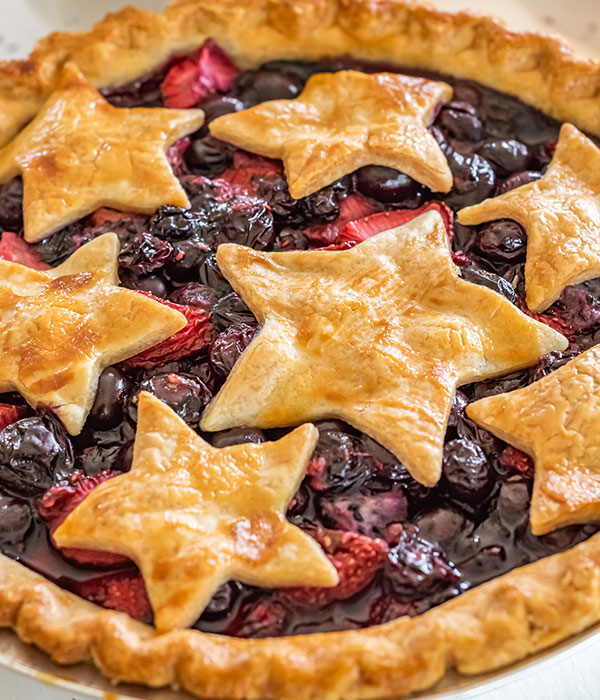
(561, 213)
(342, 121)
(557, 421)
(63, 326)
(379, 336)
(193, 516)
(81, 153)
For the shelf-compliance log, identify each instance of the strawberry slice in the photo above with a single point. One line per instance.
(244, 174)
(359, 230)
(196, 336)
(56, 504)
(357, 559)
(352, 207)
(208, 70)
(14, 249)
(175, 155)
(10, 414)
(124, 592)
(511, 458)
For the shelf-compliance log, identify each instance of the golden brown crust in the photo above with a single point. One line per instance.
(509, 618)
(500, 622)
(540, 69)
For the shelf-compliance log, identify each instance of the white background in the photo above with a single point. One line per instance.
(573, 674)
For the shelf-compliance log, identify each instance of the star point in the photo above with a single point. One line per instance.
(378, 336)
(63, 326)
(556, 420)
(561, 214)
(343, 121)
(194, 517)
(81, 153)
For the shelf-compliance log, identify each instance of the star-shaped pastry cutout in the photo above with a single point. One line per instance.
(61, 327)
(342, 121)
(561, 214)
(556, 420)
(193, 516)
(81, 153)
(379, 336)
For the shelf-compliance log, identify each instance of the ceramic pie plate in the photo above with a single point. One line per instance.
(565, 670)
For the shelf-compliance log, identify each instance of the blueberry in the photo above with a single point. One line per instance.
(491, 281)
(474, 180)
(111, 395)
(502, 241)
(142, 92)
(56, 248)
(579, 309)
(144, 253)
(261, 85)
(300, 70)
(11, 205)
(459, 405)
(229, 310)
(222, 601)
(416, 568)
(460, 120)
(209, 156)
(506, 155)
(210, 275)
(442, 525)
(237, 436)
(290, 239)
(322, 206)
(466, 471)
(513, 500)
(185, 394)
(518, 180)
(34, 453)
(194, 294)
(229, 345)
(247, 222)
(344, 465)
(217, 105)
(187, 258)
(275, 191)
(95, 459)
(174, 223)
(469, 430)
(387, 185)
(15, 520)
(500, 385)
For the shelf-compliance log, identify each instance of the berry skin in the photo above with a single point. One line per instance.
(352, 207)
(515, 460)
(14, 249)
(209, 70)
(229, 345)
(196, 336)
(123, 592)
(357, 559)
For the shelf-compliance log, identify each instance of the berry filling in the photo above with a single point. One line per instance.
(399, 548)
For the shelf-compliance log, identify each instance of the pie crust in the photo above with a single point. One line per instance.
(495, 624)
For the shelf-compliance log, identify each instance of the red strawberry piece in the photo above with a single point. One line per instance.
(355, 206)
(104, 216)
(175, 155)
(511, 458)
(359, 230)
(246, 171)
(124, 592)
(14, 249)
(56, 504)
(10, 414)
(197, 335)
(357, 559)
(208, 70)
(550, 319)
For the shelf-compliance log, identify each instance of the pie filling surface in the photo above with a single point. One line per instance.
(399, 548)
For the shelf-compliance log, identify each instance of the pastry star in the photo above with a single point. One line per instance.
(62, 327)
(557, 421)
(81, 153)
(561, 213)
(193, 517)
(343, 121)
(379, 336)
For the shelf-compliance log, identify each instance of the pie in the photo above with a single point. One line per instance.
(300, 308)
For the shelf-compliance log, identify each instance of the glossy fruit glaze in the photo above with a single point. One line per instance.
(400, 548)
